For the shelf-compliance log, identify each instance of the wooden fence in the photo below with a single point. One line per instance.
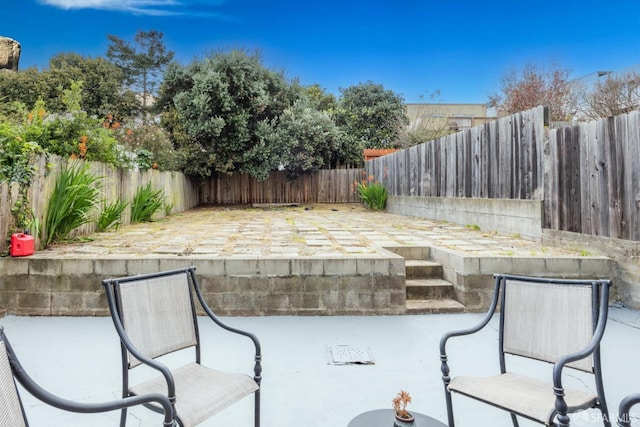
(325, 186)
(588, 175)
(500, 159)
(592, 182)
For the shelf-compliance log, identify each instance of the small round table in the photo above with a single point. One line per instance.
(385, 417)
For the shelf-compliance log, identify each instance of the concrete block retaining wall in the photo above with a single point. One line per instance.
(522, 217)
(472, 276)
(233, 287)
(624, 253)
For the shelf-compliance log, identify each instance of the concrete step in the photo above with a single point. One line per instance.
(422, 269)
(425, 289)
(433, 306)
(411, 252)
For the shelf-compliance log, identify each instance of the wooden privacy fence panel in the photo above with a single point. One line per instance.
(499, 159)
(592, 183)
(116, 184)
(325, 186)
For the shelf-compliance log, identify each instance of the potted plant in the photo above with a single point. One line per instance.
(403, 417)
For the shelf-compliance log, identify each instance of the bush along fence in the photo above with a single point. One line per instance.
(587, 175)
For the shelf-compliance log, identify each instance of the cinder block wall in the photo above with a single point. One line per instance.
(473, 276)
(522, 217)
(233, 287)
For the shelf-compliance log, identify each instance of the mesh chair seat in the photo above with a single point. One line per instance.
(202, 392)
(526, 396)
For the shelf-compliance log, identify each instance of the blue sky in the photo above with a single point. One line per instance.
(414, 47)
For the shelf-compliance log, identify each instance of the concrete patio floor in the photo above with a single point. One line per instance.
(78, 358)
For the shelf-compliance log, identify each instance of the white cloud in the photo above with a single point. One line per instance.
(143, 7)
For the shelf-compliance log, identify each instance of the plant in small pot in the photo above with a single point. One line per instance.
(403, 417)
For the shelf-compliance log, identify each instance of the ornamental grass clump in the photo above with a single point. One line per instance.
(146, 202)
(111, 216)
(74, 196)
(373, 193)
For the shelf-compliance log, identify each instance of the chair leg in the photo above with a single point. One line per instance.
(257, 408)
(563, 420)
(123, 417)
(605, 416)
(447, 397)
(514, 420)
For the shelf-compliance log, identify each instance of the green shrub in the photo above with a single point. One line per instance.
(74, 196)
(146, 202)
(373, 194)
(144, 158)
(111, 216)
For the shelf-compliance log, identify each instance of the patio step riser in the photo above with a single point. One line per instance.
(419, 269)
(434, 306)
(425, 289)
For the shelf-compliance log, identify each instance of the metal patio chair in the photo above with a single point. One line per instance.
(549, 320)
(155, 315)
(624, 409)
(12, 411)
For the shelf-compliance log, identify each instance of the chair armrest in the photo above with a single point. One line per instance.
(478, 327)
(558, 389)
(220, 323)
(257, 367)
(624, 408)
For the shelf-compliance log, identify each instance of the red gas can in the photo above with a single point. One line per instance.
(21, 245)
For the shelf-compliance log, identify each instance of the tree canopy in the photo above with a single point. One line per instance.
(615, 94)
(142, 65)
(532, 86)
(225, 107)
(372, 115)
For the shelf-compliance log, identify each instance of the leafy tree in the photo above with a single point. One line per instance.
(142, 64)
(371, 115)
(102, 85)
(25, 87)
(226, 107)
(321, 99)
(616, 94)
(306, 140)
(532, 86)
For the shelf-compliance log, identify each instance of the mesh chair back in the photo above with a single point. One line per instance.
(544, 321)
(157, 314)
(10, 408)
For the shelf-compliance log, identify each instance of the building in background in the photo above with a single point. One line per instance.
(446, 118)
